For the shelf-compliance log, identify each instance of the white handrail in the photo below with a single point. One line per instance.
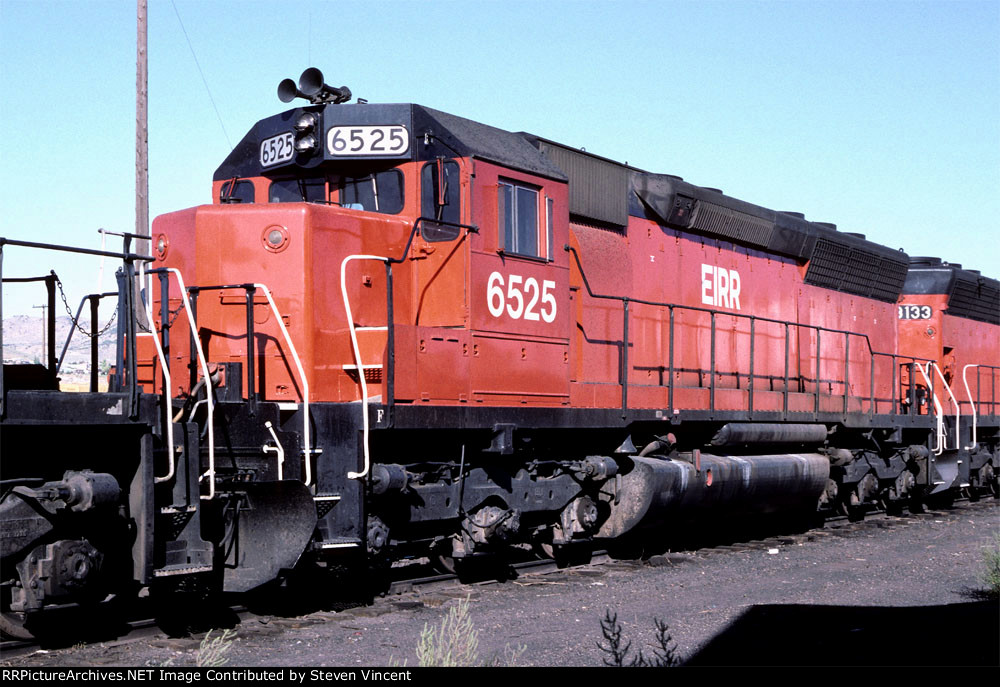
(972, 403)
(165, 368)
(954, 402)
(357, 358)
(277, 448)
(940, 411)
(185, 301)
(302, 379)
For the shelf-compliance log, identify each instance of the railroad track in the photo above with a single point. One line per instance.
(411, 580)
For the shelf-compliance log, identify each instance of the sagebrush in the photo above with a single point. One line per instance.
(455, 643)
(212, 651)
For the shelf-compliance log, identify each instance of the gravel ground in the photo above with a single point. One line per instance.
(899, 592)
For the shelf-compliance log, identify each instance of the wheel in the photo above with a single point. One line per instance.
(854, 512)
(569, 555)
(544, 550)
(894, 507)
(942, 501)
(14, 625)
(630, 550)
(190, 604)
(443, 563)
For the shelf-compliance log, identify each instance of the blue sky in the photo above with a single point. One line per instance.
(882, 117)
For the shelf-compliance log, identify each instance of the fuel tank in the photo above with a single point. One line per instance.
(655, 490)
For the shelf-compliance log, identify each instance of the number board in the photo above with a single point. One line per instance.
(277, 149)
(368, 141)
(915, 312)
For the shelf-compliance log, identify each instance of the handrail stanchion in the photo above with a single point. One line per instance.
(624, 359)
(753, 322)
(711, 381)
(847, 367)
(819, 363)
(670, 389)
(785, 395)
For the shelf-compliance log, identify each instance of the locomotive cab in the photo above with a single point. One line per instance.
(411, 187)
(391, 255)
(947, 318)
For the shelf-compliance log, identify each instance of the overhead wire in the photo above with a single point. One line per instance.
(203, 79)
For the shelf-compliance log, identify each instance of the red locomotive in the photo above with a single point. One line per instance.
(398, 332)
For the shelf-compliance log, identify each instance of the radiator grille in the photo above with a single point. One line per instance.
(854, 270)
(975, 300)
(715, 219)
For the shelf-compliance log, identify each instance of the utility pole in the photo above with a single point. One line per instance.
(141, 146)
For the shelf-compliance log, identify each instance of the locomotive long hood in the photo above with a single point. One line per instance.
(829, 253)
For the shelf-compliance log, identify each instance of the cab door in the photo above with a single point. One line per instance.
(519, 290)
(439, 340)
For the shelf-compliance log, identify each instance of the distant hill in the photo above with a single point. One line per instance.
(24, 342)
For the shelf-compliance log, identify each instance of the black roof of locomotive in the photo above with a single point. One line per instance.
(970, 294)
(607, 192)
(449, 136)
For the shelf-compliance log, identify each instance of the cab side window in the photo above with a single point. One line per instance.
(440, 191)
(517, 211)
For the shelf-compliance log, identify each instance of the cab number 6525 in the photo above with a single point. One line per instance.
(521, 298)
(277, 149)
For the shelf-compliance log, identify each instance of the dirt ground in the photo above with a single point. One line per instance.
(900, 592)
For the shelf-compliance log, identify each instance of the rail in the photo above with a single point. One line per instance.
(925, 371)
(968, 394)
(277, 449)
(390, 362)
(50, 318)
(95, 299)
(357, 359)
(250, 290)
(188, 306)
(753, 373)
(126, 376)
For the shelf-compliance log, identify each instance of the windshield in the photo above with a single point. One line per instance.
(372, 191)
